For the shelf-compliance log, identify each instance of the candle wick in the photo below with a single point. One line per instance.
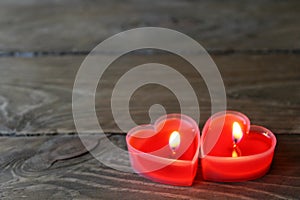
(235, 141)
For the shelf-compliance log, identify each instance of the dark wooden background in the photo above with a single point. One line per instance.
(255, 44)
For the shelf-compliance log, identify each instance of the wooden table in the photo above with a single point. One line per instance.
(42, 44)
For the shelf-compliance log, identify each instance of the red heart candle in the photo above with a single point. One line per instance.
(232, 150)
(166, 152)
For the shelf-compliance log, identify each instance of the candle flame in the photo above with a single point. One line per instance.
(174, 140)
(237, 132)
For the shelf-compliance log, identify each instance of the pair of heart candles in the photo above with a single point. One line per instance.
(230, 149)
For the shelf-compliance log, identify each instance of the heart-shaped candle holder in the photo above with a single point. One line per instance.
(233, 150)
(166, 152)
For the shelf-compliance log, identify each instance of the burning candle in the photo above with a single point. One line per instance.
(232, 150)
(166, 152)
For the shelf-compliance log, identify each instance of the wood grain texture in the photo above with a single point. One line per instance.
(28, 172)
(36, 93)
(33, 25)
(41, 156)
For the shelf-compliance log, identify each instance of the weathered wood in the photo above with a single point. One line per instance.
(36, 93)
(73, 173)
(33, 25)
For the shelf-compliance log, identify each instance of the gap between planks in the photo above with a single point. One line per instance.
(36, 134)
(32, 54)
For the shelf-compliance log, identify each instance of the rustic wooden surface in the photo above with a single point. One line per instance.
(255, 45)
(39, 101)
(59, 167)
(34, 25)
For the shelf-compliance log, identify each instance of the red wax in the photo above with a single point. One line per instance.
(151, 156)
(256, 149)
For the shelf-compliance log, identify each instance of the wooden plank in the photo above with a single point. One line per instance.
(36, 94)
(70, 25)
(59, 167)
